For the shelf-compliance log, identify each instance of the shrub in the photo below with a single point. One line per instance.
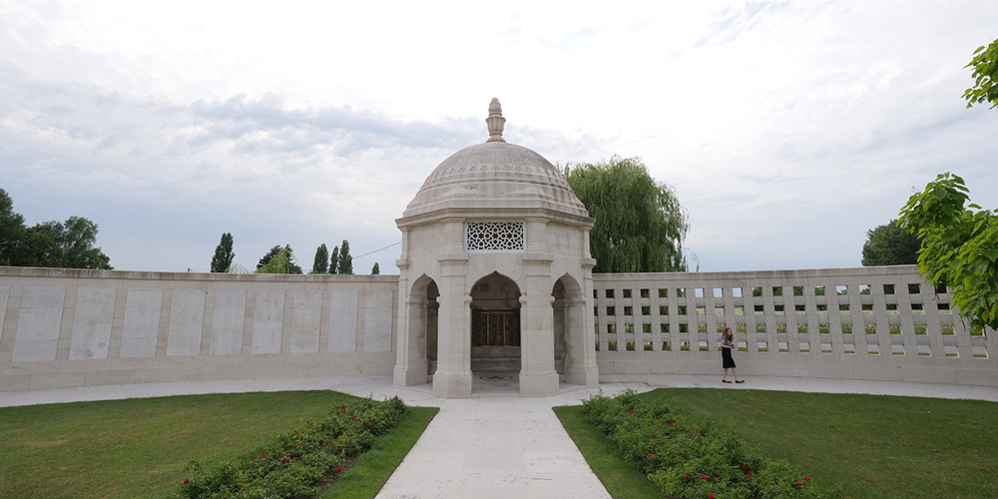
(296, 461)
(689, 455)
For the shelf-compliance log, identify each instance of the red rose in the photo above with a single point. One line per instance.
(265, 456)
(654, 436)
(339, 470)
(807, 478)
(710, 496)
(704, 477)
(186, 480)
(287, 460)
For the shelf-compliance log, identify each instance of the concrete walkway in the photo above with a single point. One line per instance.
(496, 446)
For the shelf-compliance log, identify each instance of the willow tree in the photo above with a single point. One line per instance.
(640, 225)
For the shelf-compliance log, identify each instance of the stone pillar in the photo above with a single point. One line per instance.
(580, 361)
(453, 376)
(410, 367)
(537, 374)
(586, 372)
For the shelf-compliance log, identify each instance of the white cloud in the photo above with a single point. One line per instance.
(787, 128)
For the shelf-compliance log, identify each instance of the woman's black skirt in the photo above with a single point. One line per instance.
(726, 357)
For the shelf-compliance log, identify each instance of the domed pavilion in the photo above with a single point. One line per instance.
(495, 274)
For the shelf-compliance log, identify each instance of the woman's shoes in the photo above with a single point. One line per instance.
(726, 381)
(739, 381)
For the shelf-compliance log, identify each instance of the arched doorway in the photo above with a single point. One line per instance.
(417, 348)
(560, 305)
(432, 311)
(495, 324)
(570, 330)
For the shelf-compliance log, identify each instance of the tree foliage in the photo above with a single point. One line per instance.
(223, 254)
(334, 261)
(959, 247)
(320, 264)
(375, 270)
(346, 261)
(291, 267)
(889, 244)
(48, 244)
(11, 229)
(279, 264)
(985, 64)
(640, 225)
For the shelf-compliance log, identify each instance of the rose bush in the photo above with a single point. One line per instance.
(691, 455)
(292, 465)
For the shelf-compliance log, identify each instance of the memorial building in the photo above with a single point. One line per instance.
(496, 273)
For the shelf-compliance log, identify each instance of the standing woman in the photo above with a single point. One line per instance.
(727, 344)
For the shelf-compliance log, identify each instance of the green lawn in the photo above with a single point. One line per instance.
(138, 448)
(876, 446)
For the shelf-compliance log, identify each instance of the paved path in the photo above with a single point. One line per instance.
(499, 446)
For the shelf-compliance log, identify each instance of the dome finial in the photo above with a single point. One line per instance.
(495, 121)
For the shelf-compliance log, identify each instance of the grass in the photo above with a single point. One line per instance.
(373, 468)
(619, 476)
(876, 446)
(138, 448)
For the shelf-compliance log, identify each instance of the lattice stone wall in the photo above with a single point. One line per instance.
(494, 237)
(880, 316)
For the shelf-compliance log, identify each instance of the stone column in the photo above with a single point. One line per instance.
(587, 371)
(580, 361)
(410, 367)
(537, 374)
(453, 376)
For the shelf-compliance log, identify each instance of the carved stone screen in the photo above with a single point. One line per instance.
(494, 236)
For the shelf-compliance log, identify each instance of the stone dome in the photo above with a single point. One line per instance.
(496, 178)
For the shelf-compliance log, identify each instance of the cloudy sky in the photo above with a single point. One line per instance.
(787, 129)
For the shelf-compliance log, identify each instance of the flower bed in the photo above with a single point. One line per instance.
(296, 463)
(690, 455)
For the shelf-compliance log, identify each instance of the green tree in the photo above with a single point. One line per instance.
(640, 225)
(280, 263)
(291, 267)
(375, 270)
(67, 245)
(334, 261)
(223, 254)
(320, 265)
(959, 247)
(11, 229)
(346, 261)
(985, 64)
(890, 245)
